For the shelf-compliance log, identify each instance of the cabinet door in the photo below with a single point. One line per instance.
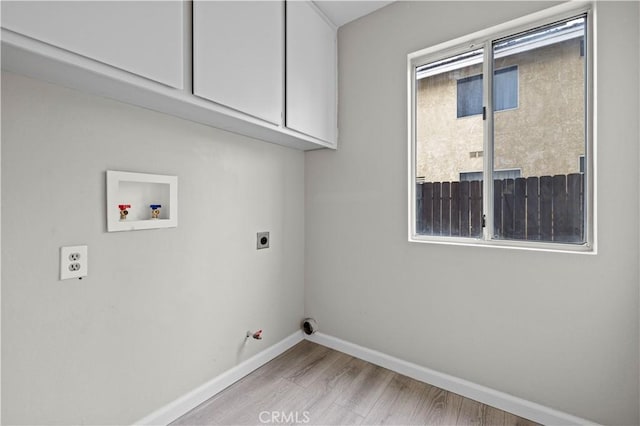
(238, 55)
(311, 72)
(142, 37)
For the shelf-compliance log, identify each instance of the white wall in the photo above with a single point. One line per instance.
(162, 311)
(557, 329)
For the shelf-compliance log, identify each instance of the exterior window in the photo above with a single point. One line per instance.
(470, 96)
(505, 83)
(470, 92)
(538, 193)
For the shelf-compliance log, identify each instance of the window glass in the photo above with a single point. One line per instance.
(447, 206)
(544, 137)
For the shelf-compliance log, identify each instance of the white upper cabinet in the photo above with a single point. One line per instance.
(263, 69)
(238, 56)
(311, 72)
(142, 37)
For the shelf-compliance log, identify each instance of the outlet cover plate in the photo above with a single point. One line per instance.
(74, 262)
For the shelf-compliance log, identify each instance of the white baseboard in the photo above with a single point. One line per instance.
(500, 400)
(185, 403)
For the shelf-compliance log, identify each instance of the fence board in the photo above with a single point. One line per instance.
(520, 209)
(419, 209)
(533, 221)
(559, 189)
(497, 208)
(446, 209)
(464, 209)
(508, 208)
(455, 208)
(575, 211)
(427, 202)
(476, 208)
(437, 208)
(545, 208)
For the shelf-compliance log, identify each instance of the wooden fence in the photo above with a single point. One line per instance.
(546, 208)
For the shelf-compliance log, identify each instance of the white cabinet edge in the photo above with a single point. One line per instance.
(114, 224)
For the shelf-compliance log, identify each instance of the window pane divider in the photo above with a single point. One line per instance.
(487, 187)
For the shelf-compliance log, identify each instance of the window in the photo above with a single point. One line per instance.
(505, 83)
(538, 79)
(470, 96)
(470, 92)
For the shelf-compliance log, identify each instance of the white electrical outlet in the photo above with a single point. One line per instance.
(74, 262)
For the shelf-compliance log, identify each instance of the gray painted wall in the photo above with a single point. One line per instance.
(162, 311)
(557, 329)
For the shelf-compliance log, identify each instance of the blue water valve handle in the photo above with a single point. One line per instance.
(155, 206)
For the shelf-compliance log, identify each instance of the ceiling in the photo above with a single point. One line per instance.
(340, 12)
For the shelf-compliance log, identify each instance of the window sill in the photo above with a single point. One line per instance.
(585, 248)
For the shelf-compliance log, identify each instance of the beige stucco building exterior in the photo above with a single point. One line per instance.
(550, 89)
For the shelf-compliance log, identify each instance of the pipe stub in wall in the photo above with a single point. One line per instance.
(309, 326)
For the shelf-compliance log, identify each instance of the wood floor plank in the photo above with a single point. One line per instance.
(366, 388)
(398, 402)
(513, 420)
(452, 405)
(431, 410)
(321, 394)
(314, 367)
(335, 414)
(292, 361)
(274, 400)
(492, 416)
(470, 413)
(340, 375)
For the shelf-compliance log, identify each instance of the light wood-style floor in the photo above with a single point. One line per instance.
(312, 384)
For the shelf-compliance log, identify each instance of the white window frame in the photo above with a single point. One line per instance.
(484, 39)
